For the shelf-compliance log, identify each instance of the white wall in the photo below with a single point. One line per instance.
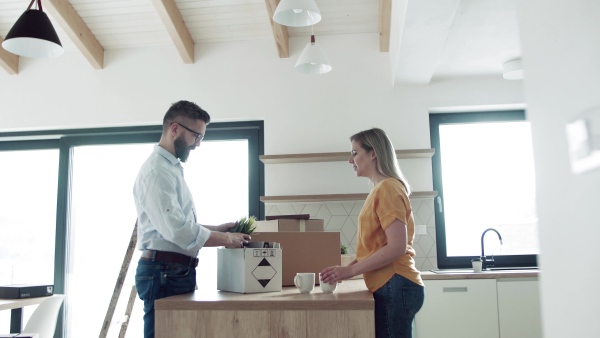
(247, 81)
(560, 54)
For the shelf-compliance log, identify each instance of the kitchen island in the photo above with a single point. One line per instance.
(348, 312)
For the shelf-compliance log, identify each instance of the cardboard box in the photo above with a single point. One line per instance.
(249, 270)
(287, 224)
(17, 291)
(304, 251)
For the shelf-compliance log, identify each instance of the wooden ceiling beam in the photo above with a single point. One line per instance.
(8, 60)
(280, 32)
(385, 22)
(178, 31)
(63, 12)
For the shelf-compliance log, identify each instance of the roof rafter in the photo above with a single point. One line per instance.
(178, 31)
(385, 21)
(64, 13)
(280, 32)
(9, 61)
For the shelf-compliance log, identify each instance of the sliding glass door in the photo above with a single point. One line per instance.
(103, 217)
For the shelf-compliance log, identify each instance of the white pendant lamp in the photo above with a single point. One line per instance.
(33, 35)
(297, 13)
(313, 60)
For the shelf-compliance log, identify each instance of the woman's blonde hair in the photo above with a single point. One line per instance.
(387, 163)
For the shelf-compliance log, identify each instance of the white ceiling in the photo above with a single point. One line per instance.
(484, 35)
(437, 39)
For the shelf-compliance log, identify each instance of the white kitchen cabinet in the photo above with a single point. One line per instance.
(458, 308)
(519, 308)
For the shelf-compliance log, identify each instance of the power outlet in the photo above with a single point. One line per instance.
(421, 229)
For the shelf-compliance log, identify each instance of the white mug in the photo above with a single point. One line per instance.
(305, 281)
(326, 287)
(477, 265)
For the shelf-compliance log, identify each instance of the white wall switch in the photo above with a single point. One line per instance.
(583, 138)
(421, 229)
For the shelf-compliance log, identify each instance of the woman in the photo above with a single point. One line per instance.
(384, 253)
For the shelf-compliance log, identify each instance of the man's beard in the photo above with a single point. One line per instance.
(182, 151)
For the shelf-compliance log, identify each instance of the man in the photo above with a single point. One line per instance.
(168, 232)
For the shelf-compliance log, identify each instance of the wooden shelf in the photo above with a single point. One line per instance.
(334, 157)
(334, 197)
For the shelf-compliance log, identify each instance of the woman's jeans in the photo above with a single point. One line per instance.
(155, 280)
(396, 304)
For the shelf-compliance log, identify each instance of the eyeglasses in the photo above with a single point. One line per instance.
(199, 136)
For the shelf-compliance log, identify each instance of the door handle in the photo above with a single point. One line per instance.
(455, 289)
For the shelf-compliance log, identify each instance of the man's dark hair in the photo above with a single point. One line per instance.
(186, 110)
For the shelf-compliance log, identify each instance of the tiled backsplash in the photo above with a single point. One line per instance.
(343, 217)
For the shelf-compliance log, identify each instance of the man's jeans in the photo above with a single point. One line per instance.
(396, 304)
(155, 280)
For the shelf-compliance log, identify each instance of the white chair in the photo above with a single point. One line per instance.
(44, 318)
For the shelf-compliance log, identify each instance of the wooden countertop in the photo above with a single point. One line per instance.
(469, 274)
(349, 295)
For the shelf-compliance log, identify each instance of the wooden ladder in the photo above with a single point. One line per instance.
(119, 287)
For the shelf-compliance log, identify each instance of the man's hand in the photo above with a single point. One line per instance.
(236, 240)
(226, 239)
(226, 227)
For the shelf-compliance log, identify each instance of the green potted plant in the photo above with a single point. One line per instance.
(344, 249)
(246, 225)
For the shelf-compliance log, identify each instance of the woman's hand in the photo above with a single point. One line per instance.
(336, 273)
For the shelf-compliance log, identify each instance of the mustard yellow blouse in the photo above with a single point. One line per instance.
(387, 202)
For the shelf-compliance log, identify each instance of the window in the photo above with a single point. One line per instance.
(28, 220)
(91, 173)
(484, 174)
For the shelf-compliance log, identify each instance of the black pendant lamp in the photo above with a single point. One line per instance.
(33, 35)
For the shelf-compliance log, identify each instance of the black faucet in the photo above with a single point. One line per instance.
(484, 261)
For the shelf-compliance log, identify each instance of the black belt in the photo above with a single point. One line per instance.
(169, 257)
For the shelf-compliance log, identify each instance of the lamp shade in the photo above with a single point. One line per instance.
(512, 70)
(313, 60)
(297, 13)
(33, 36)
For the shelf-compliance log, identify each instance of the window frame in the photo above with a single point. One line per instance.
(66, 139)
(435, 120)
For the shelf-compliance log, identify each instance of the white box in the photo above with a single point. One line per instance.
(249, 270)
